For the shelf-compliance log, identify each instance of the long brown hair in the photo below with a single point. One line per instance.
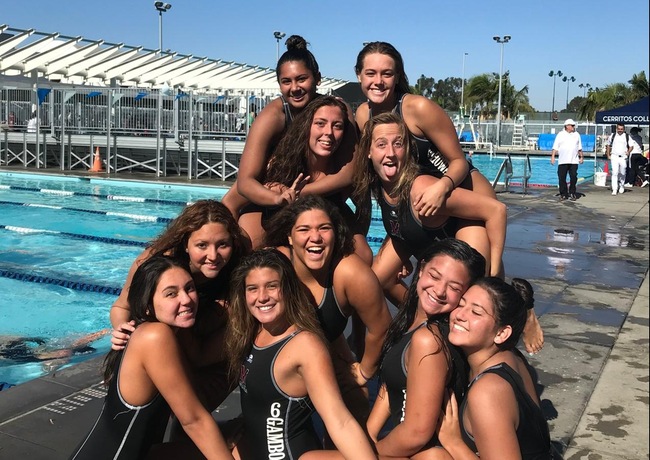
(366, 179)
(243, 327)
(140, 297)
(173, 241)
(291, 156)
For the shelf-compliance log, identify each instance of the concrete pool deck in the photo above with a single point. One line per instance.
(588, 261)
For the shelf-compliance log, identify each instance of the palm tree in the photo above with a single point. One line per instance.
(481, 92)
(639, 85)
(610, 97)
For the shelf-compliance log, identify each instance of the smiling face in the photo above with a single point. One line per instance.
(297, 84)
(326, 132)
(378, 79)
(312, 238)
(175, 299)
(472, 324)
(442, 281)
(210, 249)
(387, 152)
(264, 296)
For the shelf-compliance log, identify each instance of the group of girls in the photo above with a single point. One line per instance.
(257, 291)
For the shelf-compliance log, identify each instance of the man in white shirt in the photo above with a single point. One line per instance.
(568, 147)
(618, 149)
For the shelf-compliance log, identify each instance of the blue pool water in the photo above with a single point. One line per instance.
(66, 245)
(543, 172)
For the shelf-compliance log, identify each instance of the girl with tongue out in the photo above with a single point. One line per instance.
(387, 170)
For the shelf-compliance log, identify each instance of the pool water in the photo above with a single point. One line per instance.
(543, 172)
(66, 245)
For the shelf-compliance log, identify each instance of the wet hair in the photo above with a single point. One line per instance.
(402, 81)
(458, 250)
(243, 327)
(140, 297)
(297, 52)
(511, 303)
(366, 180)
(291, 156)
(173, 241)
(281, 225)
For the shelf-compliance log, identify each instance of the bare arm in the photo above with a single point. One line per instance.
(475, 206)
(162, 361)
(316, 369)
(425, 389)
(425, 118)
(263, 134)
(365, 295)
(495, 437)
(449, 431)
(120, 314)
(379, 414)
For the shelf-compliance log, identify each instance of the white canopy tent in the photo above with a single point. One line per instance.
(77, 60)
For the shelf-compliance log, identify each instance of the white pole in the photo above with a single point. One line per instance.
(462, 88)
(499, 101)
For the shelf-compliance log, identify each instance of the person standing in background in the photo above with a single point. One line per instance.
(568, 147)
(618, 149)
(636, 160)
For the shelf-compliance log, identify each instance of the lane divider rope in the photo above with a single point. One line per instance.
(74, 285)
(162, 220)
(94, 195)
(79, 236)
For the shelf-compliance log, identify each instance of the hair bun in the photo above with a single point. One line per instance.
(296, 42)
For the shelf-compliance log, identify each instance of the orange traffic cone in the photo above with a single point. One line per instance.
(97, 162)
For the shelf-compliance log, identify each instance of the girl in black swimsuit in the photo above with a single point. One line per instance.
(500, 416)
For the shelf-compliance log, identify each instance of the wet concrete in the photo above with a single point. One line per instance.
(588, 263)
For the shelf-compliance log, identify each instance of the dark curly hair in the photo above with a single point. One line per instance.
(279, 228)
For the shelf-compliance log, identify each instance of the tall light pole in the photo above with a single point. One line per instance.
(278, 36)
(462, 88)
(568, 80)
(502, 42)
(586, 87)
(161, 7)
(557, 73)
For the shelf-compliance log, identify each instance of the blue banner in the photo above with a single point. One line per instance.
(42, 94)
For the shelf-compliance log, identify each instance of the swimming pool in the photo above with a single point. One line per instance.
(544, 174)
(66, 245)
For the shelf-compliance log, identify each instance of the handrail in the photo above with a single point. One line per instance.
(501, 169)
(508, 168)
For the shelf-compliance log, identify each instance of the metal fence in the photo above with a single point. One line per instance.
(62, 125)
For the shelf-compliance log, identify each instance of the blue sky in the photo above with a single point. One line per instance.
(596, 41)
